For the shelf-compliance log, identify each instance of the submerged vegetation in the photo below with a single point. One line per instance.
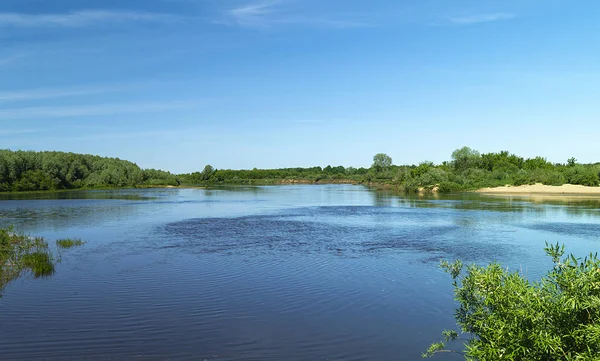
(467, 170)
(21, 253)
(507, 317)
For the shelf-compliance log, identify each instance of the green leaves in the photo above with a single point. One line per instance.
(20, 252)
(381, 162)
(510, 318)
(38, 171)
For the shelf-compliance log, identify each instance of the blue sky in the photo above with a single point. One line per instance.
(177, 84)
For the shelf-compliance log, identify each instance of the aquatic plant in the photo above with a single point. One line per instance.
(69, 242)
(19, 253)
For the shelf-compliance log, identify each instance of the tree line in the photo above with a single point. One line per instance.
(467, 170)
(34, 171)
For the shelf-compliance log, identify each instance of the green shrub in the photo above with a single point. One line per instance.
(552, 178)
(582, 175)
(432, 177)
(411, 186)
(507, 317)
(447, 187)
(522, 177)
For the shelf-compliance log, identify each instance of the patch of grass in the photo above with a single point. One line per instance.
(40, 263)
(69, 242)
(20, 252)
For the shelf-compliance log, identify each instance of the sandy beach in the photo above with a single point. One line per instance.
(540, 189)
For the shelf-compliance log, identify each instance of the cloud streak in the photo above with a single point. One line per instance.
(79, 18)
(95, 109)
(7, 132)
(254, 14)
(482, 18)
(39, 94)
(270, 13)
(10, 59)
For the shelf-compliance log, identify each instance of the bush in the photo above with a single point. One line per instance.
(447, 187)
(578, 174)
(522, 177)
(432, 177)
(509, 318)
(552, 178)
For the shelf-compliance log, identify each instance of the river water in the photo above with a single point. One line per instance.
(331, 272)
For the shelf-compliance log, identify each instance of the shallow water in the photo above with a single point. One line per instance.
(333, 272)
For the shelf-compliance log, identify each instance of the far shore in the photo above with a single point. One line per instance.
(541, 189)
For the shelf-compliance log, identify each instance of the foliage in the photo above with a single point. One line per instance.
(381, 162)
(69, 242)
(507, 317)
(20, 252)
(36, 171)
(465, 158)
(211, 175)
(468, 170)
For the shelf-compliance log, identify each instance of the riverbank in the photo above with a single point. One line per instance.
(541, 189)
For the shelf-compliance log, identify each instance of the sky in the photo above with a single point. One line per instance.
(178, 84)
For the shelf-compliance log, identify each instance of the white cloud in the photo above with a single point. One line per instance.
(482, 18)
(274, 12)
(255, 14)
(79, 18)
(94, 109)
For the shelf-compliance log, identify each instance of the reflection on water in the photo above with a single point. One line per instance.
(332, 272)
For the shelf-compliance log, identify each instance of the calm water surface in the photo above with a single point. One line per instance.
(332, 272)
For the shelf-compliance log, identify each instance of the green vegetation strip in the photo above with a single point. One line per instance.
(467, 170)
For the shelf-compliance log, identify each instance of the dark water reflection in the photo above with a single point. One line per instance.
(264, 273)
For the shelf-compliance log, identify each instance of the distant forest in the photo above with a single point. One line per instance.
(35, 171)
(467, 170)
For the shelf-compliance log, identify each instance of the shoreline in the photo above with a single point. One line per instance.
(541, 189)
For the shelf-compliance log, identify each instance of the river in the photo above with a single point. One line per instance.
(326, 272)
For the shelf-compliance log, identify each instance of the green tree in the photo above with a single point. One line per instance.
(207, 172)
(465, 158)
(381, 162)
(507, 317)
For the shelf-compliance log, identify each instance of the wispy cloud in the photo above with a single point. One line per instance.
(7, 60)
(96, 109)
(79, 18)
(275, 12)
(482, 18)
(53, 93)
(7, 132)
(255, 14)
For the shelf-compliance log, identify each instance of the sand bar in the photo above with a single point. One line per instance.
(540, 189)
